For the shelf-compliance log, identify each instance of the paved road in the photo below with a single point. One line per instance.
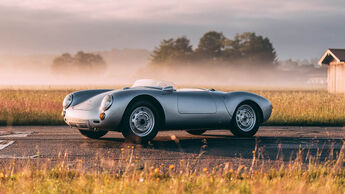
(170, 147)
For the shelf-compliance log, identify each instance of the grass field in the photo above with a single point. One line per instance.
(31, 107)
(43, 107)
(128, 176)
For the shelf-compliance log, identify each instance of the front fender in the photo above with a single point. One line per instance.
(121, 101)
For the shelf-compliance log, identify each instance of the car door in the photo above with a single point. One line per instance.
(196, 102)
(196, 109)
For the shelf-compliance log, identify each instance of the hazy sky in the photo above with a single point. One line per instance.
(297, 28)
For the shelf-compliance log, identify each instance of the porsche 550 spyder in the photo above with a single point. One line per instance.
(148, 106)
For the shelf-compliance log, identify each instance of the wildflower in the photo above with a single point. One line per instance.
(171, 167)
(141, 180)
(204, 170)
(254, 151)
(173, 137)
(122, 149)
(156, 170)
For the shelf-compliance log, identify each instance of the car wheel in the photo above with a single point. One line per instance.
(196, 132)
(93, 134)
(246, 120)
(141, 122)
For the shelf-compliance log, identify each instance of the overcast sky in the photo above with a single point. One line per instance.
(298, 29)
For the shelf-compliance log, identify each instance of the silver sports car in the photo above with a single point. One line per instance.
(140, 111)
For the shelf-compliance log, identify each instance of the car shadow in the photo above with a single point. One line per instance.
(227, 146)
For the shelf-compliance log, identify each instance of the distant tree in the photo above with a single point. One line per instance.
(65, 58)
(88, 60)
(172, 50)
(232, 50)
(81, 62)
(183, 48)
(246, 48)
(164, 52)
(251, 48)
(211, 45)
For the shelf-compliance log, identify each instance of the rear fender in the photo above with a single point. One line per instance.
(233, 99)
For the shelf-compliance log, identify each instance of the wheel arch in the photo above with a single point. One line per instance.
(151, 99)
(258, 108)
(233, 99)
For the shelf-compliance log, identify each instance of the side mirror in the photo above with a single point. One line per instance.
(168, 89)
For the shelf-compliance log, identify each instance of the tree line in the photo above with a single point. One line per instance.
(213, 46)
(67, 63)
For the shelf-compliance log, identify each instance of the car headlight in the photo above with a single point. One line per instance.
(67, 101)
(106, 102)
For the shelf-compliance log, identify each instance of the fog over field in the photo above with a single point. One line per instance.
(124, 66)
(35, 27)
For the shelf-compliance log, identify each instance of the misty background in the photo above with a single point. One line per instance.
(125, 33)
(121, 67)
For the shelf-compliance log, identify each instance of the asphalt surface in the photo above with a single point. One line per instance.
(270, 144)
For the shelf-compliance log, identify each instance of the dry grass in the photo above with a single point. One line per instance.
(128, 176)
(36, 107)
(31, 107)
(305, 107)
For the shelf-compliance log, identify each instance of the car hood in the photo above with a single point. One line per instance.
(93, 102)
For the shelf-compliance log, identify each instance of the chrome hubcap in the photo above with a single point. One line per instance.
(142, 121)
(245, 118)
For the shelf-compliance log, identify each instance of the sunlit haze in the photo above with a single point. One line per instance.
(298, 29)
(124, 33)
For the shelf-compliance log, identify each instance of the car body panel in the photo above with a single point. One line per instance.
(233, 99)
(201, 109)
(187, 104)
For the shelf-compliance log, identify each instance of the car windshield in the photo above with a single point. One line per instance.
(152, 83)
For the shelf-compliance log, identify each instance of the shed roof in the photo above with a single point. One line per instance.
(331, 55)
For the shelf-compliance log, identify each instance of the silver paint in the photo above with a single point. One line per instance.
(182, 109)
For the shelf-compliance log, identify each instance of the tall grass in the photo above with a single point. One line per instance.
(130, 176)
(31, 107)
(43, 107)
(305, 107)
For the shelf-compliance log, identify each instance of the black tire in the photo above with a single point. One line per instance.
(196, 132)
(135, 136)
(237, 130)
(93, 134)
